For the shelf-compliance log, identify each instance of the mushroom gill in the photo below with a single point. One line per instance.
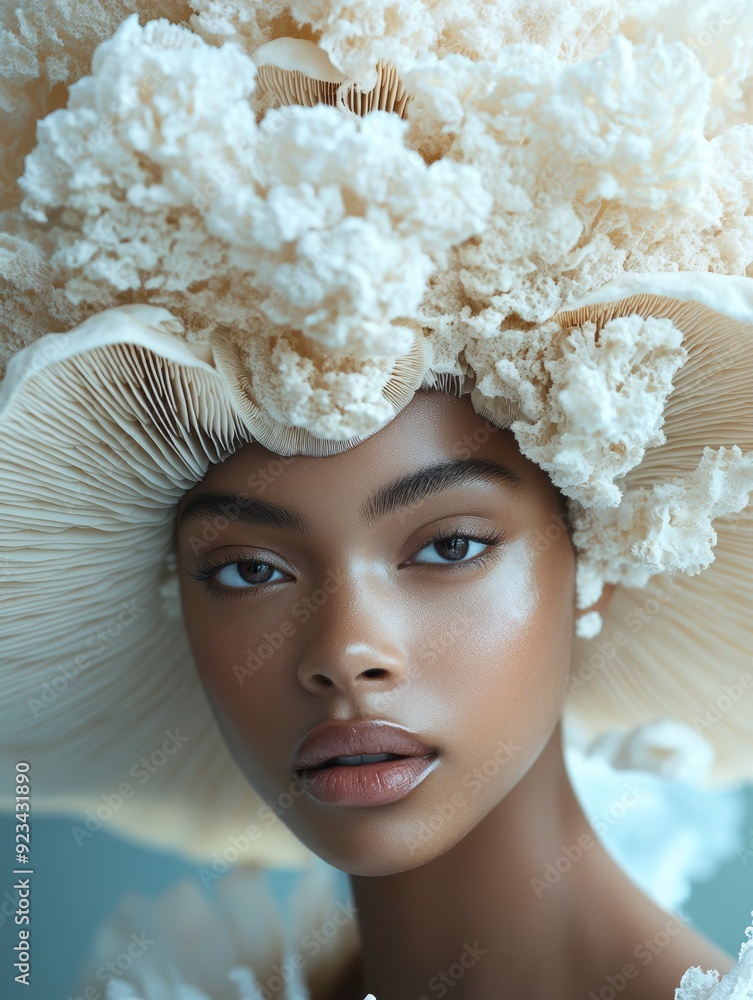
(297, 71)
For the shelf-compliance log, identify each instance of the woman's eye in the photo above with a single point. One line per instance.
(254, 574)
(247, 574)
(458, 548)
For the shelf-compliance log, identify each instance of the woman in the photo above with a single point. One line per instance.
(444, 616)
(397, 379)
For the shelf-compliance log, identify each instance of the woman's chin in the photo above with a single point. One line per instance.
(374, 852)
(378, 864)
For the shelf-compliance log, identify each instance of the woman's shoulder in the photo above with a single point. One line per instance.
(676, 962)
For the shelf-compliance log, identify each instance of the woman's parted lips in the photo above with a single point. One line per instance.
(350, 737)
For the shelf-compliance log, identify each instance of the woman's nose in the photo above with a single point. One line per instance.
(354, 642)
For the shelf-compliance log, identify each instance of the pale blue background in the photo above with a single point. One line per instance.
(75, 889)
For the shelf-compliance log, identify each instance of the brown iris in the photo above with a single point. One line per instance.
(255, 572)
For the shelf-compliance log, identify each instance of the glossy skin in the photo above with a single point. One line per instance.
(472, 655)
(467, 644)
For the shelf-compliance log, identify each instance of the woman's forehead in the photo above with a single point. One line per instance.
(436, 449)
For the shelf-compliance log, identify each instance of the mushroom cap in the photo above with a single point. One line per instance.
(102, 430)
(678, 646)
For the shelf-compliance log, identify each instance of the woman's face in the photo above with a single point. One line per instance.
(411, 579)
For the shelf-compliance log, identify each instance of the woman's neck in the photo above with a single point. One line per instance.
(527, 905)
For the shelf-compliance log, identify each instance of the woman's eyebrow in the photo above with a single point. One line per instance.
(406, 491)
(411, 489)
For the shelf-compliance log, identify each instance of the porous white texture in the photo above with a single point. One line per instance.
(342, 226)
(665, 529)
(589, 625)
(602, 404)
(158, 181)
(47, 45)
(332, 399)
(562, 126)
(583, 188)
(717, 33)
(713, 33)
(121, 170)
(357, 34)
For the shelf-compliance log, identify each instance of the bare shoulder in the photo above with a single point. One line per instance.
(663, 957)
(695, 949)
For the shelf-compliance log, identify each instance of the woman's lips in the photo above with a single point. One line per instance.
(346, 738)
(375, 784)
(365, 784)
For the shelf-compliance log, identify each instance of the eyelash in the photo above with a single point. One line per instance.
(206, 567)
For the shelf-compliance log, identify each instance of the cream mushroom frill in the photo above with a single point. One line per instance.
(276, 222)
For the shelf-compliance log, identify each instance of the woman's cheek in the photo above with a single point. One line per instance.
(521, 684)
(221, 653)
